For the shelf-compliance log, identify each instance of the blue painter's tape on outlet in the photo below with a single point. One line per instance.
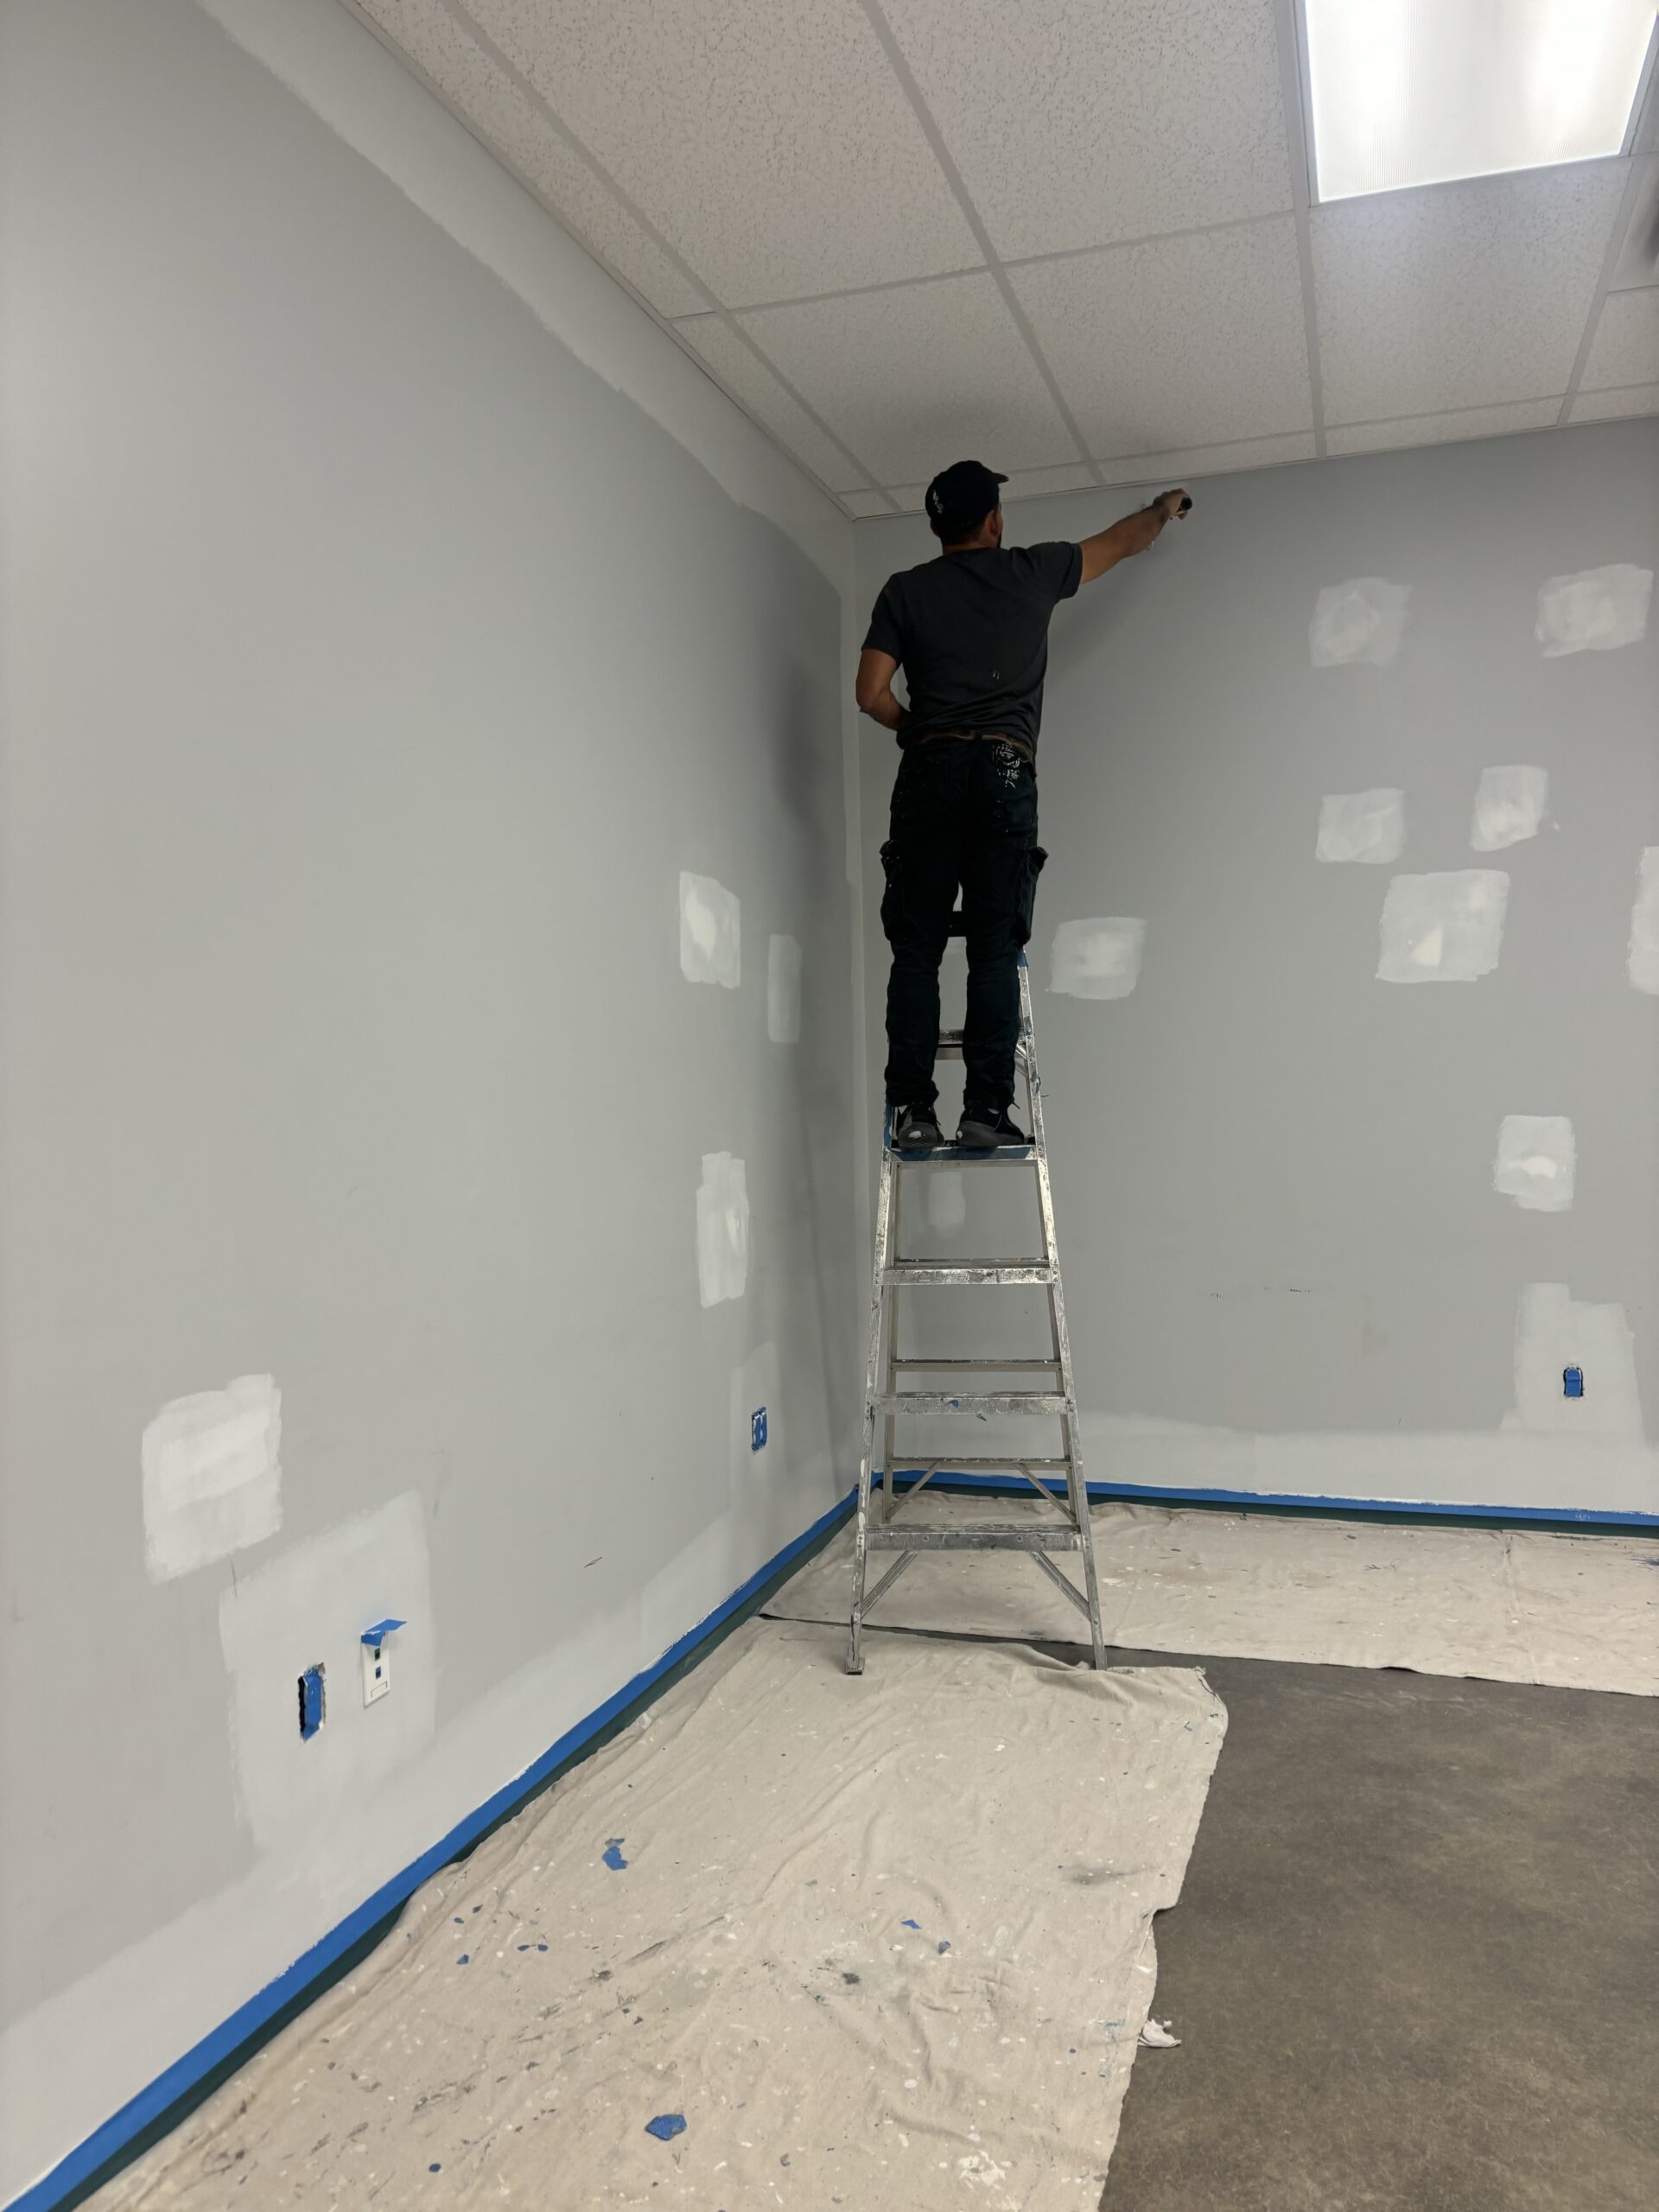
(375, 1637)
(310, 1703)
(758, 1430)
(1572, 1381)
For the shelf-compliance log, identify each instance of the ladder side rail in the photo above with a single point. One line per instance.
(878, 1301)
(1076, 1482)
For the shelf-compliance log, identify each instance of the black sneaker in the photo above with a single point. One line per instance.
(915, 1128)
(987, 1129)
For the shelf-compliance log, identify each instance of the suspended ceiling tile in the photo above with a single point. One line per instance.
(1460, 295)
(914, 379)
(1445, 430)
(1614, 406)
(1074, 124)
(484, 94)
(862, 505)
(1625, 348)
(1177, 342)
(907, 497)
(755, 388)
(1168, 469)
(779, 156)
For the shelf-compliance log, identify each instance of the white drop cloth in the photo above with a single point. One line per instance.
(884, 1943)
(1508, 1605)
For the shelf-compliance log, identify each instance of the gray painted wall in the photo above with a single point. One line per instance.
(375, 665)
(1288, 1269)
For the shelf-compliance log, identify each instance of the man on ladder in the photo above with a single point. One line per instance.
(970, 631)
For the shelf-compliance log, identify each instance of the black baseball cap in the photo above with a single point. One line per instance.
(964, 492)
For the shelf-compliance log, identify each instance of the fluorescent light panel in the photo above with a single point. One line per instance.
(1420, 92)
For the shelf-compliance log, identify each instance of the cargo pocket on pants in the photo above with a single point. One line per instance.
(890, 892)
(1036, 858)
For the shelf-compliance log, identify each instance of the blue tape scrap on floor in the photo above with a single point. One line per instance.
(243, 2025)
(180, 2078)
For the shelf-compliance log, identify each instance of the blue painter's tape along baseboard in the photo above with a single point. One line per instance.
(243, 2025)
(1405, 1507)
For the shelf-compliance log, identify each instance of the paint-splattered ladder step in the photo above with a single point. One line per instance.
(974, 1537)
(975, 1271)
(976, 1401)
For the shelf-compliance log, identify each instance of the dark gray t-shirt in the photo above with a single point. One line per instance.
(970, 632)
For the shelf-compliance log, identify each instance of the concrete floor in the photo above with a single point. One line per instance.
(1415, 1964)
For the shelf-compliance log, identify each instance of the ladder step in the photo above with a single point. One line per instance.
(973, 1271)
(964, 1462)
(976, 1401)
(974, 1537)
(1021, 1154)
(1020, 1366)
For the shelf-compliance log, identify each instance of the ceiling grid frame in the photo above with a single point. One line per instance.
(1282, 41)
(901, 69)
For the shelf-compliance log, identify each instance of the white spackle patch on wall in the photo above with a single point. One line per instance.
(1537, 1159)
(1445, 928)
(212, 1476)
(1644, 924)
(1364, 619)
(756, 1384)
(783, 990)
(1510, 806)
(722, 1228)
(1099, 958)
(947, 1200)
(1553, 1331)
(1362, 826)
(710, 932)
(1594, 612)
(311, 1604)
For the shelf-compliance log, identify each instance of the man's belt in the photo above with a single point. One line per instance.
(980, 736)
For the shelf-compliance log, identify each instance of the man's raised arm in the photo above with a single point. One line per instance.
(1131, 535)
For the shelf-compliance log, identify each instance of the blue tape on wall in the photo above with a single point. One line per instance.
(1410, 1508)
(168, 2088)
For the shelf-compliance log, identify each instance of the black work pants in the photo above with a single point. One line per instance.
(964, 814)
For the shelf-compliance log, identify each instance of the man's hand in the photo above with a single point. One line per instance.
(873, 688)
(1131, 535)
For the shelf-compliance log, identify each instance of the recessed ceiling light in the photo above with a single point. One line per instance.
(1419, 91)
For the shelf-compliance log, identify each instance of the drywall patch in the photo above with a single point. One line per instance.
(1643, 957)
(311, 1605)
(710, 932)
(212, 1476)
(783, 990)
(722, 1228)
(1595, 611)
(1553, 1331)
(1362, 826)
(1537, 1159)
(1099, 958)
(1445, 928)
(1364, 619)
(1510, 806)
(947, 1200)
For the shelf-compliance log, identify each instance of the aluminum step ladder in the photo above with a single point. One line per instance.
(1065, 1526)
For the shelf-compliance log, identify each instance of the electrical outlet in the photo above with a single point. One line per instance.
(376, 1660)
(313, 1702)
(1572, 1381)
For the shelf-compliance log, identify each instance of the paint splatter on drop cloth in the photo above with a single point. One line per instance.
(916, 1924)
(613, 1857)
(666, 2125)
